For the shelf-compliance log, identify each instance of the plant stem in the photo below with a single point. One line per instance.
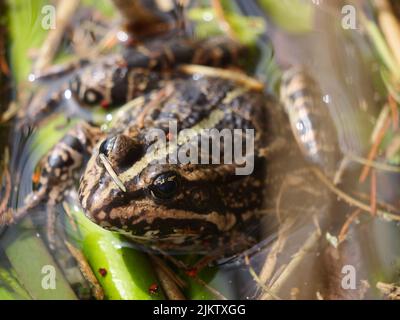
(123, 272)
(13, 284)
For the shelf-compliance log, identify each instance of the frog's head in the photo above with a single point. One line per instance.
(173, 206)
(100, 84)
(90, 86)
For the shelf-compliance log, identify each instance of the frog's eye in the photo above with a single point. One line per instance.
(107, 145)
(92, 97)
(165, 186)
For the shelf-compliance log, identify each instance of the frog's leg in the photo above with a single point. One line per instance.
(59, 169)
(42, 103)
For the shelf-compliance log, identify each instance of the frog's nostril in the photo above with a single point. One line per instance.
(123, 150)
(134, 153)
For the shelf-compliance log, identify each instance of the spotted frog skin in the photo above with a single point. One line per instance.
(172, 207)
(179, 207)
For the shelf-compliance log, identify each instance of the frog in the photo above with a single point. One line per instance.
(182, 207)
(173, 207)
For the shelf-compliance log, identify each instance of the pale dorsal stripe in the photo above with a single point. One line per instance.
(160, 153)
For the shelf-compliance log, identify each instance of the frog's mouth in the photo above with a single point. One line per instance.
(173, 244)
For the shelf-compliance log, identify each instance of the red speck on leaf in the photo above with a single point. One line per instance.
(153, 289)
(192, 272)
(103, 272)
(104, 104)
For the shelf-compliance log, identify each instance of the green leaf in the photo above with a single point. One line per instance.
(9, 279)
(28, 255)
(294, 16)
(128, 272)
(246, 29)
(6, 294)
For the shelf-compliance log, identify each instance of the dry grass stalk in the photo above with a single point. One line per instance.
(390, 26)
(86, 270)
(7, 185)
(293, 265)
(351, 201)
(389, 290)
(182, 266)
(345, 228)
(270, 262)
(222, 22)
(168, 284)
(375, 164)
(70, 216)
(65, 10)
(373, 193)
(380, 134)
(232, 75)
(168, 271)
(395, 112)
(258, 280)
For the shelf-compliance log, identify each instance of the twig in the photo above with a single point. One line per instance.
(380, 44)
(270, 262)
(86, 270)
(383, 205)
(390, 27)
(393, 147)
(106, 43)
(181, 265)
(214, 291)
(279, 198)
(258, 280)
(373, 193)
(345, 228)
(391, 291)
(337, 178)
(293, 265)
(375, 147)
(169, 286)
(235, 76)
(70, 216)
(65, 10)
(373, 164)
(7, 177)
(350, 200)
(395, 112)
(221, 19)
(168, 271)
